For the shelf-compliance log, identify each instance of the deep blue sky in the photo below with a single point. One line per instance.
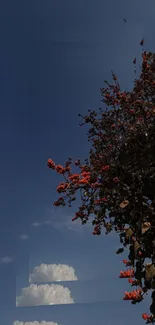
(54, 57)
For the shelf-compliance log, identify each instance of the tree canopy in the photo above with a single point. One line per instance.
(117, 180)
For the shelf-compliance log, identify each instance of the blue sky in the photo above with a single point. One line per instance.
(54, 57)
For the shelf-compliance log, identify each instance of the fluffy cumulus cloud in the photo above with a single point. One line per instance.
(34, 323)
(45, 294)
(52, 273)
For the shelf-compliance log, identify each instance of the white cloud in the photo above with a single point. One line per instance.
(66, 223)
(52, 273)
(24, 237)
(6, 260)
(36, 224)
(45, 294)
(34, 323)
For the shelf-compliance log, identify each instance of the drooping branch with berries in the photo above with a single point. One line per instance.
(117, 181)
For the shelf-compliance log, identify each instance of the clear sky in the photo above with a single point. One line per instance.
(54, 57)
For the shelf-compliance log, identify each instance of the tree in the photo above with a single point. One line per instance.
(117, 180)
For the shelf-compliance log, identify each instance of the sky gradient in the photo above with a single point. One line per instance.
(54, 57)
